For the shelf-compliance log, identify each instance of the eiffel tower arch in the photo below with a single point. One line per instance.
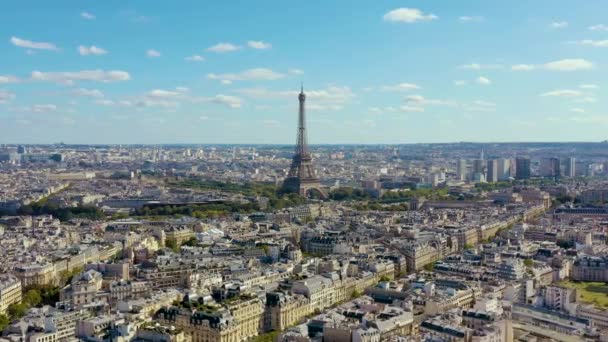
(302, 178)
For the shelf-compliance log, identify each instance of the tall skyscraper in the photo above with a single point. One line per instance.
(570, 167)
(461, 169)
(522, 168)
(479, 166)
(479, 170)
(504, 169)
(492, 171)
(549, 167)
(302, 178)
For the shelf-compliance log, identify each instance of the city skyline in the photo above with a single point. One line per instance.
(406, 72)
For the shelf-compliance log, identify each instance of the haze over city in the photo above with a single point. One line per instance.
(374, 72)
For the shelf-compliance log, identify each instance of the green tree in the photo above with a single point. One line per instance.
(529, 262)
(172, 244)
(190, 242)
(25, 210)
(17, 311)
(356, 294)
(4, 322)
(468, 246)
(32, 297)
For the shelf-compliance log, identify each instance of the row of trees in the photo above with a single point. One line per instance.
(33, 296)
(277, 200)
(64, 214)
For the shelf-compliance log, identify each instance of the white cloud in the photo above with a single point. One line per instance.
(5, 96)
(569, 65)
(411, 109)
(577, 110)
(401, 87)
(483, 80)
(588, 86)
(38, 108)
(87, 92)
(157, 102)
(562, 93)
(105, 102)
(223, 47)
(481, 106)
(256, 74)
(92, 50)
(523, 67)
(161, 93)
(32, 45)
(87, 15)
(594, 43)
(593, 119)
(227, 100)
(324, 107)
(152, 53)
(484, 103)
(271, 123)
(8, 79)
(326, 96)
(258, 45)
(420, 101)
(559, 24)
(468, 18)
(460, 83)
(574, 64)
(408, 15)
(477, 66)
(163, 98)
(586, 99)
(70, 77)
(599, 27)
(195, 58)
(293, 71)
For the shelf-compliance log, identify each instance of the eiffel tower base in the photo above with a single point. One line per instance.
(304, 187)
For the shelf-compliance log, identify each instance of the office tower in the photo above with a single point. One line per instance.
(478, 166)
(492, 171)
(549, 167)
(504, 169)
(21, 149)
(479, 170)
(522, 168)
(570, 167)
(302, 178)
(461, 169)
(513, 169)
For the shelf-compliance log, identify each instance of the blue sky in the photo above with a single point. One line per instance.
(375, 71)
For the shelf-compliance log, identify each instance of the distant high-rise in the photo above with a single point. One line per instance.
(302, 178)
(479, 166)
(461, 169)
(549, 167)
(21, 149)
(570, 167)
(504, 169)
(492, 171)
(522, 168)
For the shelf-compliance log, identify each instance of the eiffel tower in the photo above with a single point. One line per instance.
(302, 178)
